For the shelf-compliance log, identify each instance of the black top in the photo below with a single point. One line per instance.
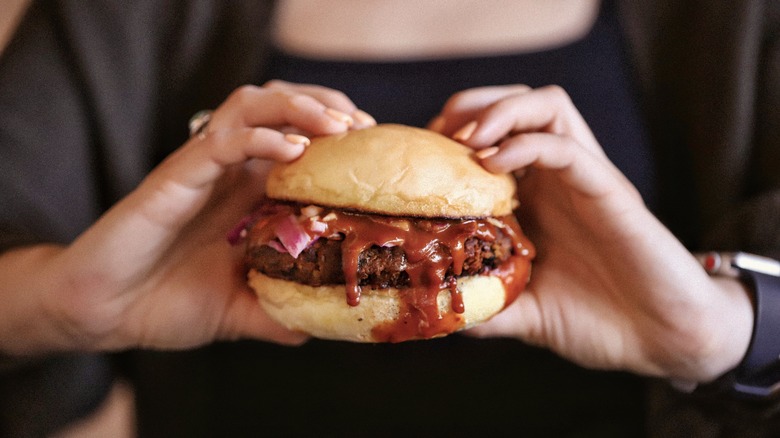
(593, 70)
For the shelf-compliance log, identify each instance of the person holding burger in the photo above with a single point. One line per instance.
(141, 262)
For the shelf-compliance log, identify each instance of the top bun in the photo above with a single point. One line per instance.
(393, 170)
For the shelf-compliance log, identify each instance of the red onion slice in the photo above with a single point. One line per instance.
(276, 245)
(238, 232)
(292, 235)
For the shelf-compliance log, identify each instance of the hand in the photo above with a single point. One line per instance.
(611, 287)
(156, 270)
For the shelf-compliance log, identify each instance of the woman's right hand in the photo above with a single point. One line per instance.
(156, 271)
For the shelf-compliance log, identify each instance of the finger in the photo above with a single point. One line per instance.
(547, 109)
(176, 190)
(201, 161)
(246, 320)
(464, 106)
(520, 320)
(251, 106)
(331, 98)
(578, 166)
(362, 119)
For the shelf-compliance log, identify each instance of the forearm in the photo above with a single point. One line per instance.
(29, 320)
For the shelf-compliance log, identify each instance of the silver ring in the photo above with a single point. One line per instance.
(198, 123)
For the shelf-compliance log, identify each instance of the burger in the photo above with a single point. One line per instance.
(386, 234)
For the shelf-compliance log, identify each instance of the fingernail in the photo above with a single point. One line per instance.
(465, 133)
(363, 118)
(487, 152)
(339, 116)
(297, 139)
(437, 124)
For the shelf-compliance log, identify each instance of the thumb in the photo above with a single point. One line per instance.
(246, 319)
(520, 320)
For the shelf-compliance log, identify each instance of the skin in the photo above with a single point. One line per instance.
(611, 287)
(156, 271)
(369, 30)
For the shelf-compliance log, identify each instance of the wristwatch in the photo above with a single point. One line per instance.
(758, 375)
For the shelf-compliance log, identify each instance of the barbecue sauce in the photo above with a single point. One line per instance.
(432, 247)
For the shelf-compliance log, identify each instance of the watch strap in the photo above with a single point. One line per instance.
(759, 372)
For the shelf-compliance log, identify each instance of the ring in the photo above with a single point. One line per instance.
(198, 123)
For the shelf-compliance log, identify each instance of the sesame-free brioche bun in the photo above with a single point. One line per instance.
(322, 312)
(386, 234)
(393, 170)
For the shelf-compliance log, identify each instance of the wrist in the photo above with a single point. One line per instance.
(757, 373)
(26, 325)
(735, 326)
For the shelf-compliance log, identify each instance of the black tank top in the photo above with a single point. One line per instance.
(593, 70)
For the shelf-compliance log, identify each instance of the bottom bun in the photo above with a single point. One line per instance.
(323, 312)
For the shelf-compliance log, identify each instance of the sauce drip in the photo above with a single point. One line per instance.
(433, 247)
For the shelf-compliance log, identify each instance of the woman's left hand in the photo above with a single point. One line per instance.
(611, 287)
